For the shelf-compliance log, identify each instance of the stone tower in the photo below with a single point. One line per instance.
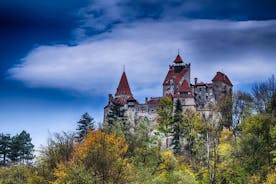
(177, 83)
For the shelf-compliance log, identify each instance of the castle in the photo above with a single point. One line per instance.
(197, 96)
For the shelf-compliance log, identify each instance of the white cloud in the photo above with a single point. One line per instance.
(243, 50)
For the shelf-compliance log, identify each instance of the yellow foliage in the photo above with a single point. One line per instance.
(100, 155)
(271, 177)
(168, 160)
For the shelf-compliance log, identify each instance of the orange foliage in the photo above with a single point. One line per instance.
(102, 155)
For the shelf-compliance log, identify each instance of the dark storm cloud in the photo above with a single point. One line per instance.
(203, 9)
(101, 16)
(27, 24)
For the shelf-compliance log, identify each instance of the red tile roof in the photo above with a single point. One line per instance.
(178, 59)
(154, 101)
(183, 96)
(200, 84)
(120, 100)
(209, 85)
(173, 75)
(123, 87)
(184, 87)
(223, 78)
(132, 99)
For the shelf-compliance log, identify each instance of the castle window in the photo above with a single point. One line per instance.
(200, 89)
(206, 97)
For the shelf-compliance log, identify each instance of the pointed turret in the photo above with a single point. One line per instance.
(178, 59)
(123, 87)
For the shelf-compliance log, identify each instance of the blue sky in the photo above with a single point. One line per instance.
(59, 59)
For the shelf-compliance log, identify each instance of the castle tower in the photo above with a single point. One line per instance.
(222, 86)
(177, 74)
(123, 90)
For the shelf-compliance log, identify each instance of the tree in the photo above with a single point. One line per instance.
(21, 149)
(177, 121)
(20, 174)
(165, 117)
(224, 107)
(5, 143)
(264, 96)
(100, 158)
(242, 107)
(171, 171)
(86, 122)
(58, 150)
(27, 148)
(256, 143)
(115, 115)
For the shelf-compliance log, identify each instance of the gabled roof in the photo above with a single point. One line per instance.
(174, 75)
(123, 87)
(178, 59)
(132, 99)
(120, 100)
(184, 87)
(154, 101)
(223, 78)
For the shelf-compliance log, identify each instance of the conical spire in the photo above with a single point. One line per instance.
(178, 59)
(123, 87)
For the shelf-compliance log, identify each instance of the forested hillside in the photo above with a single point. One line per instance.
(196, 149)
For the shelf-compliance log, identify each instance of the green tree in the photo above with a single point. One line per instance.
(115, 115)
(86, 122)
(256, 144)
(165, 117)
(58, 150)
(20, 174)
(177, 121)
(5, 143)
(21, 149)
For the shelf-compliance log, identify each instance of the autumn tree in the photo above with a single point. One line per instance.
(58, 150)
(256, 146)
(170, 170)
(100, 158)
(165, 117)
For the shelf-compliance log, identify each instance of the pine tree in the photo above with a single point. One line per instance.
(115, 114)
(27, 148)
(177, 120)
(15, 146)
(21, 149)
(86, 122)
(5, 142)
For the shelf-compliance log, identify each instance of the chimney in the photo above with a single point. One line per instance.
(195, 81)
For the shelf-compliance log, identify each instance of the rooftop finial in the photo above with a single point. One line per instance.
(124, 68)
(178, 51)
